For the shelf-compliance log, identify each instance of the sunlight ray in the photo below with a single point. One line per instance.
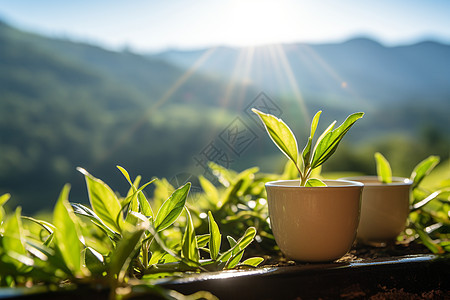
(292, 82)
(121, 140)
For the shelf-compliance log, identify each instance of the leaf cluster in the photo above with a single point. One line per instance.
(113, 240)
(311, 157)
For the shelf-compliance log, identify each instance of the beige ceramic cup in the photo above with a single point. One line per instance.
(384, 209)
(314, 224)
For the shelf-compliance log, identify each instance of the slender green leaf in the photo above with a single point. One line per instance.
(327, 145)
(210, 190)
(314, 182)
(433, 246)
(280, 133)
(104, 201)
(231, 241)
(4, 198)
(82, 210)
(94, 261)
(428, 199)
(423, 169)
(254, 261)
(140, 200)
(189, 247)
(67, 232)
(144, 205)
(384, 171)
(215, 237)
(46, 225)
(235, 259)
(241, 244)
(202, 240)
(126, 250)
(13, 237)
(306, 153)
(172, 208)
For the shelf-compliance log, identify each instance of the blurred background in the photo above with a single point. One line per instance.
(162, 87)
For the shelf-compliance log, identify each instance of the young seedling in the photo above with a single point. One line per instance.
(310, 158)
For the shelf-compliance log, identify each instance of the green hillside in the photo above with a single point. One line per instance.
(65, 104)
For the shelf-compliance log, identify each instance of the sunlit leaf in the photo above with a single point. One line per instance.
(238, 245)
(13, 237)
(104, 201)
(306, 153)
(67, 233)
(172, 208)
(83, 210)
(314, 182)
(202, 240)
(433, 246)
(235, 259)
(280, 133)
(4, 198)
(126, 249)
(423, 169)
(254, 261)
(138, 203)
(209, 189)
(215, 237)
(384, 171)
(327, 145)
(46, 225)
(189, 247)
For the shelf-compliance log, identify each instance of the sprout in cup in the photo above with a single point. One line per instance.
(310, 158)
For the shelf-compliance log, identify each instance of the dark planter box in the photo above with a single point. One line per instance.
(424, 276)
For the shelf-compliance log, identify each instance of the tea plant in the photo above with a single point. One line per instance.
(114, 241)
(429, 209)
(310, 158)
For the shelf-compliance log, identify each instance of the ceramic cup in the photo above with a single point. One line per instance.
(384, 209)
(314, 224)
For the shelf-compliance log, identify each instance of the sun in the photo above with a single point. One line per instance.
(255, 22)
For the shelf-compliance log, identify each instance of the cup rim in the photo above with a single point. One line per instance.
(343, 183)
(372, 180)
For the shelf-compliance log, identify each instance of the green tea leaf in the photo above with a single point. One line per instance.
(126, 250)
(46, 225)
(13, 237)
(423, 169)
(306, 153)
(104, 201)
(215, 237)
(138, 199)
(202, 240)
(4, 198)
(280, 133)
(144, 205)
(210, 190)
(326, 146)
(67, 232)
(384, 171)
(239, 245)
(254, 261)
(82, 210)
(189, 247)
(314, 182)
(172, 208)
(234, 260)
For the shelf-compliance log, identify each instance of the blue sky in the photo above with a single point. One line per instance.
(158, 25)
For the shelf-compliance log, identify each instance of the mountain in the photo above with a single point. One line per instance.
(65, 104)
(359, 69)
